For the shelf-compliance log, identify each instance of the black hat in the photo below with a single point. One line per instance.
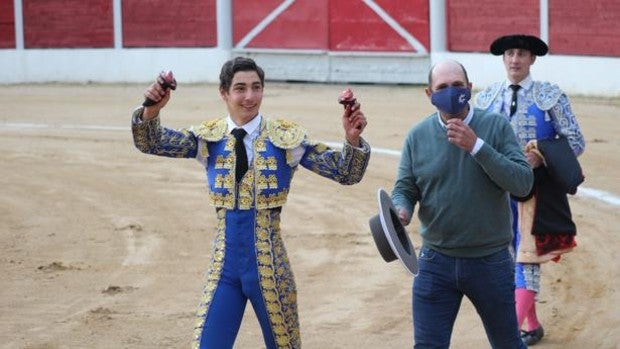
(390, 236)
(527, 42)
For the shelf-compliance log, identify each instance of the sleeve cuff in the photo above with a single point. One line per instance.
(477, 146)
(364, 146)
(136, 117)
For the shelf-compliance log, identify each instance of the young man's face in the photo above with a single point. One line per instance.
(517, 62)
(244, 97)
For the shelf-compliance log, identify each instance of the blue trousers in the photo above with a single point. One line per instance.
(439, 288)
(235, 278)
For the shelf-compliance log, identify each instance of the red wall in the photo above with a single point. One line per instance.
(68, 23)
(169, 23)
(584, 27)
(472, 27)
(337, 25)
(7, 24)
(356, 27)
(304, 24)
(575, 27)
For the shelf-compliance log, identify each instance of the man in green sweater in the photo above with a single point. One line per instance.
(459, 166)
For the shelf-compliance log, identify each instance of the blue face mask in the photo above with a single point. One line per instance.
(451, 100)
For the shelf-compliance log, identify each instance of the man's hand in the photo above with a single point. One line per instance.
(403, 216)
(533, 159)
(460, 134)
(158, 94)
(353, 122)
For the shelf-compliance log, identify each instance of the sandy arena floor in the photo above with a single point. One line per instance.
(105, 247)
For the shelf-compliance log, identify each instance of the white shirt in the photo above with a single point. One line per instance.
(252, 129)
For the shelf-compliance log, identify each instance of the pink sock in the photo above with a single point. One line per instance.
(532, 319)
(525, 301)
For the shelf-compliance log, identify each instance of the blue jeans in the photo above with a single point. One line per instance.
(442, 282)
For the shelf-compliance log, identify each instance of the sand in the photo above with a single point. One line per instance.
(105, 247)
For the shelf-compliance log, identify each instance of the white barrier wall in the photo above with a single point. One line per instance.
(576, 75)
(111, 65)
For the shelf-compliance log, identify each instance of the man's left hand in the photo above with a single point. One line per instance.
(460, 134)
(353, 122)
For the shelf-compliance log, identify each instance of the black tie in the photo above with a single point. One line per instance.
(513, 103)
(241, 164)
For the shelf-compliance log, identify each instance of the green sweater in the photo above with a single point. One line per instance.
(463, 200)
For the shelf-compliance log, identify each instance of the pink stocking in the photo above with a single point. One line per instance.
(525, 306)
(532, 319)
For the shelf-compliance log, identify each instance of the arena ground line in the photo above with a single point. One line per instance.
(596, 194)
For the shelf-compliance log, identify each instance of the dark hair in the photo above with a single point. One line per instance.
(238, 64)
(430, 74)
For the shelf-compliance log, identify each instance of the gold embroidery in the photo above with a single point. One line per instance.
(272, 200)
(285, 134)
(229, 180)
(204, 151)
(230, 162)
(212, 130)
(259, 144)
(222, 200)
(261, 182)
(246, 191)
(346, 167)
(272, 164)
(260, 163)
(276, 280)
(213, 277)
(219, 181)
(219, 162)
(230, 145)
(151, 138)
(272, 181)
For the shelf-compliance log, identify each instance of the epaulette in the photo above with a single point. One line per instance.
(485, 97)
(546, 94)
(285, 134)
(211, 130)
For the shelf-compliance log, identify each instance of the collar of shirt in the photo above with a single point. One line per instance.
(467, 120)
(250, 128)
(525, 83)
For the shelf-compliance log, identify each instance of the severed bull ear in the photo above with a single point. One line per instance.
(346, 98)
